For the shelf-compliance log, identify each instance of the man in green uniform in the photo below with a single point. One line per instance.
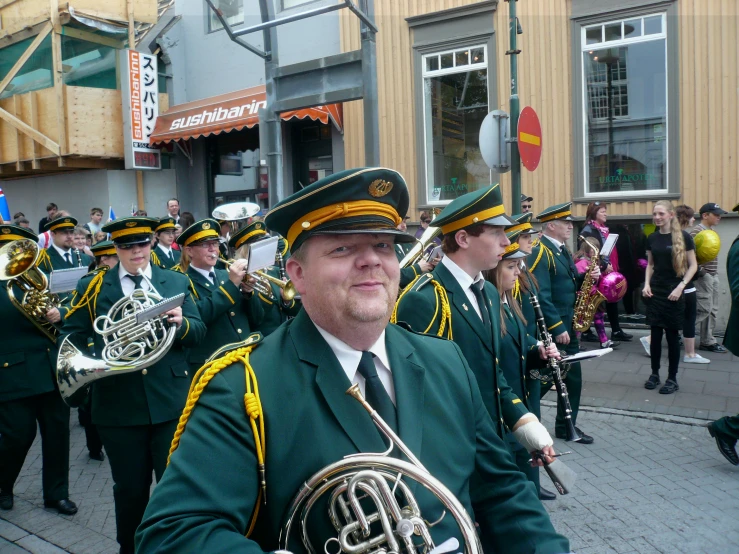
(28, 395)
(726, 429)
(135, 413)
(163, 254)
(227, 305)
(455, 301)
(408, 274)
(61, 251)
(276, 309)
(551, 263)
(344, 266)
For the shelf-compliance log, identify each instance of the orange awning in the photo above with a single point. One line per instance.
(229, 112)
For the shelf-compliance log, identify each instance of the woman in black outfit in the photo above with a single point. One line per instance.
(671, 265)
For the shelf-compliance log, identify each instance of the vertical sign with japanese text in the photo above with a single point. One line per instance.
(139, 90)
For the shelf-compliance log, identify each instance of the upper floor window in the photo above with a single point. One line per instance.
(624, 100)
(232, 10)
(455, 101)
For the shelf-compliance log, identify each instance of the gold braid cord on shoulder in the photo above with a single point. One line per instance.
(90, 294)
(517, 290)
(252, 404)
(155, 259)
(550, 258)
(442, 304)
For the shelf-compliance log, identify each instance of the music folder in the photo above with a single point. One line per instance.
(159, 308)
(262, 254)
(65, 280)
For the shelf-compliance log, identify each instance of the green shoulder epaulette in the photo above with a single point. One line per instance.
(254, 338)
(419, 282)
(443, 309)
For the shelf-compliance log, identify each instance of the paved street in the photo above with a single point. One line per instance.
(653, 481)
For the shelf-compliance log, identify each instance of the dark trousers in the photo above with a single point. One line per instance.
(612, 311)
(92, 437)
(728, 425)
(573, 381)
(673, 350)
(134, 452)
(18, 419)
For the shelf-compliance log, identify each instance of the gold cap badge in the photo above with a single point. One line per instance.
(379, 188)
(6, 230)
(131, 224)
(206, 225)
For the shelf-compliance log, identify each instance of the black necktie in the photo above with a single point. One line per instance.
(375, 392)
(68, 258)
(482, 304)
(136, 280)
(212, 277)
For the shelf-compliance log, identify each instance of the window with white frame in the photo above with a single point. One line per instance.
(232, 11)
(624, 65)
(455, 101)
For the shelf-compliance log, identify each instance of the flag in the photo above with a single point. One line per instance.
(4, 209)
(133, 210)
(111, 213)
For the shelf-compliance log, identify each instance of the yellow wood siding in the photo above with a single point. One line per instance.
(709, 102)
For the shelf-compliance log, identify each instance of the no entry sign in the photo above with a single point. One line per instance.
(529, 138)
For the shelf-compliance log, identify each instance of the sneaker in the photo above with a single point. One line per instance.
(715, 347)
(609, 344)
(645, 343)
(697, 359)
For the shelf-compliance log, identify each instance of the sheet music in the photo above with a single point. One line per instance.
(65, 280)
(608, 245)
(262, 254)
(160, 307)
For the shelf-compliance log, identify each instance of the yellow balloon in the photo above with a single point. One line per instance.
(649, 228)
(707, 245)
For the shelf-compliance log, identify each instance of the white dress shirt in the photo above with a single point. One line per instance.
(127, 284)
(558, 244)
(465, 281)
(166, 249)
(63, 253)
(349, 360)
(205, 273)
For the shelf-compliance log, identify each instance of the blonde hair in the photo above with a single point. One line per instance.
(679, 257)
(494, 275)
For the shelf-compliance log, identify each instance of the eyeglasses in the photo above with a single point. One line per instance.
(425, 221)
(210, 245)
(526, 206)
(130, 246)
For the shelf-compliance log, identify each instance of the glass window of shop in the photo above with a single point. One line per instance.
(625, 106)
(232, 10)
(455, 101)
(36, 73)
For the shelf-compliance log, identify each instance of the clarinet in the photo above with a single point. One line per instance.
(79, 257)
(562, 396)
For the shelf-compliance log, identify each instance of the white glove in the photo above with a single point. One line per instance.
(533, 436)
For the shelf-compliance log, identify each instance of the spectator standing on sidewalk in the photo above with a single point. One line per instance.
(671, 264)
(96, 216)
(707, 283)
(51, 210)
(526, 203)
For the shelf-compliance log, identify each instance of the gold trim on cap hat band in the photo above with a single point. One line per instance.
(163, 226)
(12, 237)
(554, 216)
(249, 235)
(521, 227)
(132, 231)
(479, 217)
(62, 224)
(511, 248)
(355, 208)
(107, 252)
(201, 235)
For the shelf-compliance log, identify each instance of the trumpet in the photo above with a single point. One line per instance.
(261, 281)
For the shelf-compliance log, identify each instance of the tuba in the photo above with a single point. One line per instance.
(588, 297)
(19, 266)
(378, 480)
(133, 341)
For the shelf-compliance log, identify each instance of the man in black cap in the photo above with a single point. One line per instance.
(29, 397)
(526, 203)
(222, 482)
(707, 283)
(136, 413)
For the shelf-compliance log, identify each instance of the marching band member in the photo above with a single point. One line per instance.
(29, 397)
(408, 274)
(344, 266)
(551, 263)
(455, 301)
(105, 253)
(227, 305)
(276, 309)
(726, 429)
(135, 413)
(519, 352)
(61, 252)
(163, 254)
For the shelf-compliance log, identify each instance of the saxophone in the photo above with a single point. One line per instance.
(588, 297)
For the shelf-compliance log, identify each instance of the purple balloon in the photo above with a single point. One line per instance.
(612, 286)
(641, 263)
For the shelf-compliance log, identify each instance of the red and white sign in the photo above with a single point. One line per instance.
(140, 93)
(529, 138)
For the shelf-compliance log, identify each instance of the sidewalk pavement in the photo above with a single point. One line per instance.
(654, 480)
